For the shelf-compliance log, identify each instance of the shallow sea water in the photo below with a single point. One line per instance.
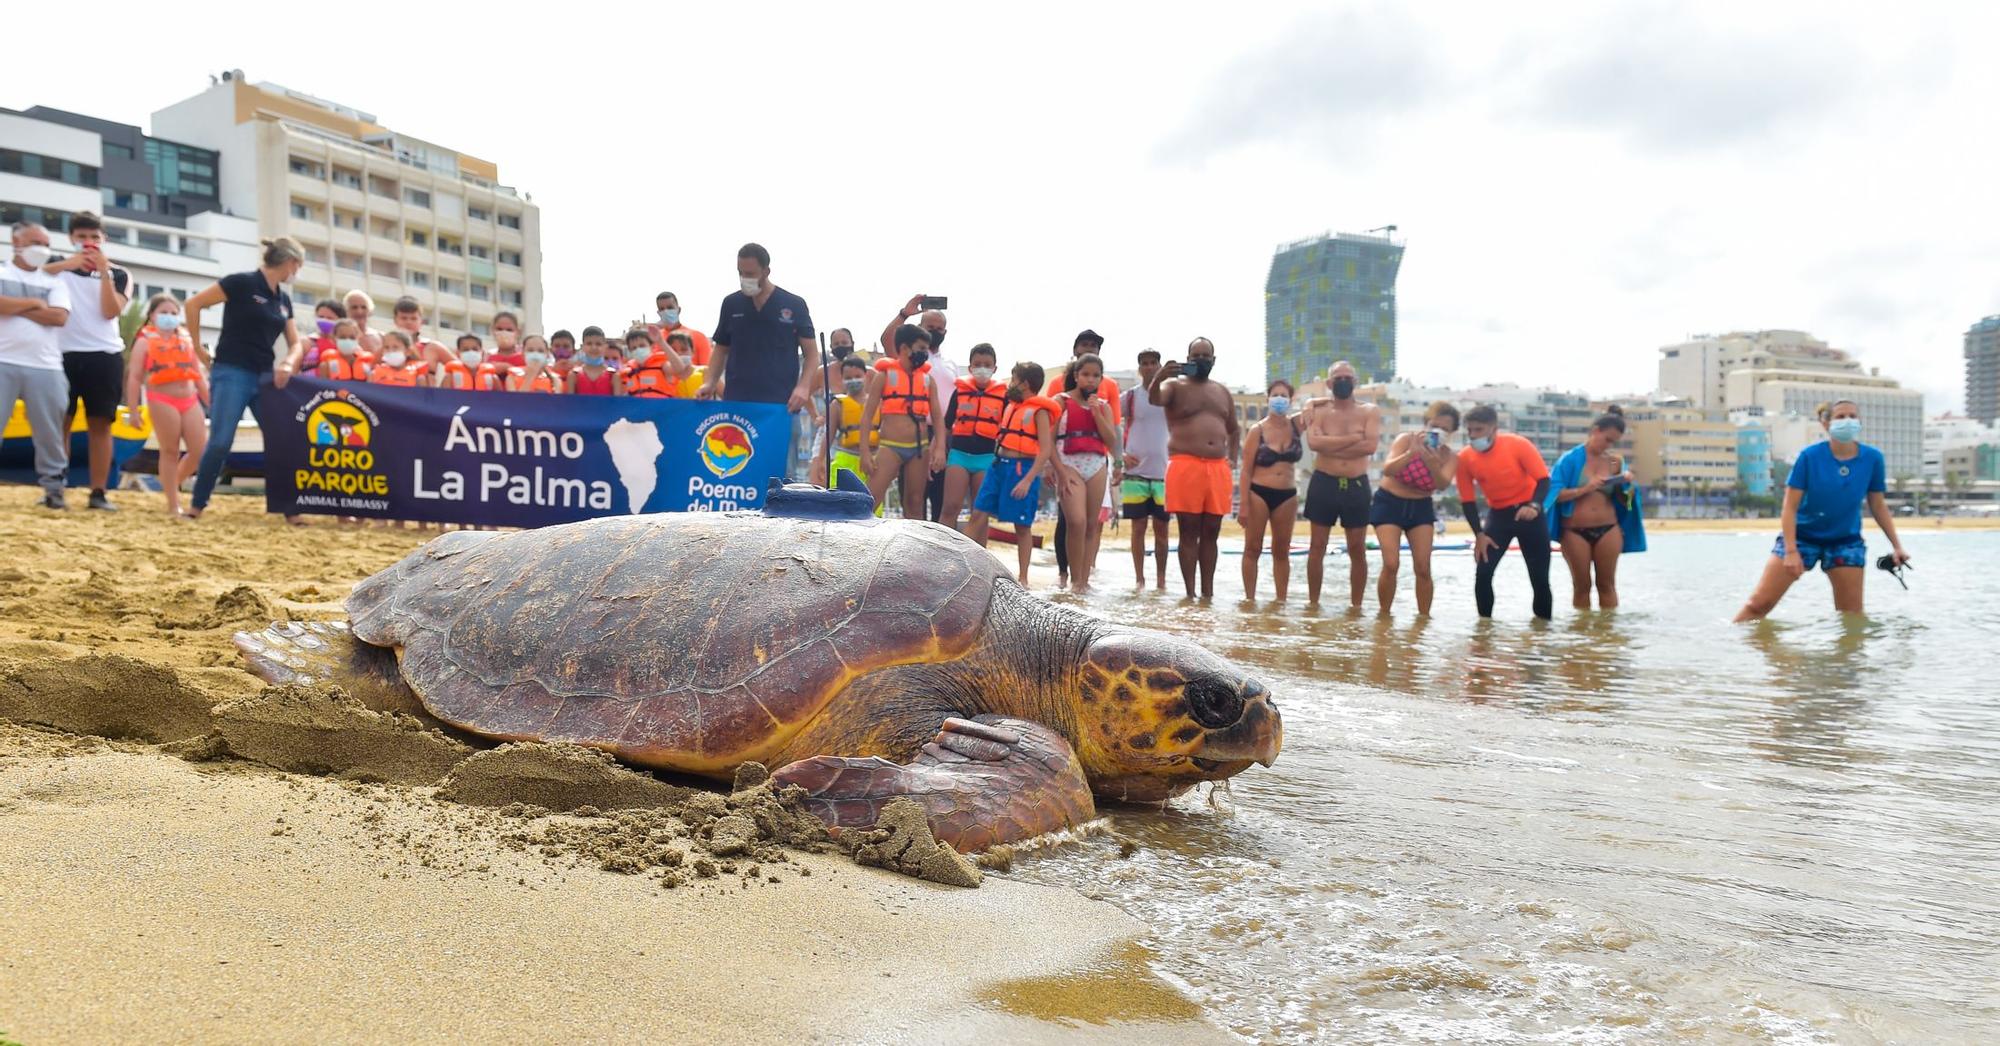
(1638, 826)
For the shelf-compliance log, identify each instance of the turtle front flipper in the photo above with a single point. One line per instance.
(981, 782)
(326, 652)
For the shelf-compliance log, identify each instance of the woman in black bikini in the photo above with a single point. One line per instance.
(1270, 490)
(1421, 463)
(1591, 537)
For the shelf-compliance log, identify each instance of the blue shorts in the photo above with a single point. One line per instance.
(1843, 554)
(996, 493)
(969, 462)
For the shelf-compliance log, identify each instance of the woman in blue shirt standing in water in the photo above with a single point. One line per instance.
(1822, 516)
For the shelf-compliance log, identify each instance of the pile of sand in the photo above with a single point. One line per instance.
(554, 777)
(115, 697)
(321, 730)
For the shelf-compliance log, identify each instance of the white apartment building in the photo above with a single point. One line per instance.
(1892, 417)
(150, 192)
(1695, 370)
(375, 209)
(1948, 432)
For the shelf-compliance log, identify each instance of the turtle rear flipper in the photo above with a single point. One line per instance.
(981, 782)
(309, 652)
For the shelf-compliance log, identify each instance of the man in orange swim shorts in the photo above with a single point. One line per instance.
(1202, 445)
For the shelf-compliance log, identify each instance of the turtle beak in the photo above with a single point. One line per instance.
(1255, 738)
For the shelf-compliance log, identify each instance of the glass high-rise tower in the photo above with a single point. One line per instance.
(1332, 298)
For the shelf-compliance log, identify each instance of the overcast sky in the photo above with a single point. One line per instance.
(1578, 185)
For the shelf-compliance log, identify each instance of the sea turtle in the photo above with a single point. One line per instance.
(865, 660)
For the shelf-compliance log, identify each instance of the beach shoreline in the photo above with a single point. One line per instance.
(151, 897)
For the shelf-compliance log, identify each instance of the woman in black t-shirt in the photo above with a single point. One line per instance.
(256, 311)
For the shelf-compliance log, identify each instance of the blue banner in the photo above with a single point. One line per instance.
(511, 459)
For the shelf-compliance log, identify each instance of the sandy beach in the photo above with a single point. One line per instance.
(152, 896)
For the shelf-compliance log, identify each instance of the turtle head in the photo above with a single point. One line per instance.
(1157, 715)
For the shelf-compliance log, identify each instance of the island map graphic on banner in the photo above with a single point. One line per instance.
(511, 459)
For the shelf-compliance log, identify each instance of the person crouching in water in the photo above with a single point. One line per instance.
(906, 417)
(1086, 438)
(1593, 507)
(1509, 471)
(1421, 463)
(1270, 491)
(537, 370)
(164, 362)
(1026, 452)
(1821, 521)
(974, 420)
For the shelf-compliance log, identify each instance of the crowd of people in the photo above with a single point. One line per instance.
(966, 450)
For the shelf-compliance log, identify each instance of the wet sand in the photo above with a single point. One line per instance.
(153, 897)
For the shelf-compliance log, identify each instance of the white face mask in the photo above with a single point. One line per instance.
(982, 373)
(34, 254)
(751, 284)
(538, 359)
(470, 358)
(395, 358)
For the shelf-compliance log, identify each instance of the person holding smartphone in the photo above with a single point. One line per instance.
(93, 352)
(1420, 464)
(1593, 507)
(1821, 521)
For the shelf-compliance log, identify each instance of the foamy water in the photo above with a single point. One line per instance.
(1622, 827)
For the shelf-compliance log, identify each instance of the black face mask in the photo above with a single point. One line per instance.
(918, 358)
(937, 338)
(1198, 369)
(840, 351)
(1343, 388)
(1016, 394)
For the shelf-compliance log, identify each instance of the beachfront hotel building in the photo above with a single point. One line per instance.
(1788, 374)
(376, 209)
(163, 220)
(1677, 451)
(1982, 370)
(1328, 298)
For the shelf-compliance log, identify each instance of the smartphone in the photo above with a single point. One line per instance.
(935, 302)
(1434, 438)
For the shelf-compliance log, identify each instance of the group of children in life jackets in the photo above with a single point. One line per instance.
(998, 440)
(167, 369)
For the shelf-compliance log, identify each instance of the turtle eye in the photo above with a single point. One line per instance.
(1213, 703)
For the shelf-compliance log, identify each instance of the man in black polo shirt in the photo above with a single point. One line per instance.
(763, 345)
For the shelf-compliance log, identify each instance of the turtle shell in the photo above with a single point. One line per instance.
(689, 642)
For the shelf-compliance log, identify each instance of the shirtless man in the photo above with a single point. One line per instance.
(1342, 435)
(1202, 445)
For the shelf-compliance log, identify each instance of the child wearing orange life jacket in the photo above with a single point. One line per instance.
(905, 415)
(347, 362)
(396, 369)
(535, 374)
(163, 361)
(657, 368)
(598, 374)
(1025, 453)
(470, 371)
(974, 420)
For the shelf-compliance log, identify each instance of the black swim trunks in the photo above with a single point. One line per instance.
(1337, 501)
(1407, 513)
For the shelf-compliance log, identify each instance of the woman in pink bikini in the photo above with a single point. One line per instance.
(1421, 462)
(163, 361)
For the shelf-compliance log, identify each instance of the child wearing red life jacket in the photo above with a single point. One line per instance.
(597, 374)
(536, 373)
(397, 369)
(470, 371)
(656, 368)
(163, 361)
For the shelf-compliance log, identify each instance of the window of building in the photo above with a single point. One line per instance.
(418, 279)
(117, 152)
(450, 246)
(131, 201)
(304, 300)
(344, 177)
(416, 197)
(478, 214)
(510, 258)
(482, 292)
(307, 168)
(50, 217)
(347, 220)
(180, 294)
(302, 212)
(347, 260)
(194, 247)
(509, 221)
(447, 285)
(382, 186)
(482, 329)
(385, 228)
(476, 250)
(315, 255)
(35, 165)
(511, 296)
(418, 238)
(384, 267)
